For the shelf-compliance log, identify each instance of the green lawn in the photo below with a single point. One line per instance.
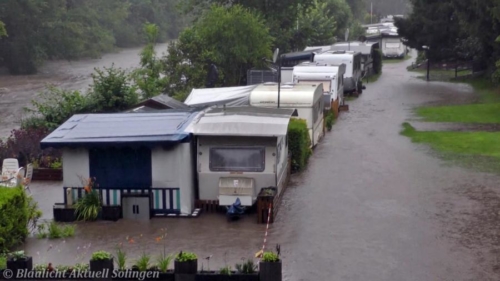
(486, 112)
(464, 143)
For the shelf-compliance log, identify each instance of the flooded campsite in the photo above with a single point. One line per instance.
(370, 206)
(222, 140)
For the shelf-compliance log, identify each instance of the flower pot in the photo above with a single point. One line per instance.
(19, 264)
(111, 213)
(186, 267)
(47, 174)
(101, 265)
(63, 213)
(270, 271)
(243, 277)
(207, 276)
(167, 276)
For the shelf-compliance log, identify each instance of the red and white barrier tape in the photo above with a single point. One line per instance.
(261, 252)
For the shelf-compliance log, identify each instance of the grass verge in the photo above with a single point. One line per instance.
(372, 78)
(485, 112)
(474, 150)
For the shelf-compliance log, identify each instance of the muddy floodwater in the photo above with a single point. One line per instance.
(370, 206)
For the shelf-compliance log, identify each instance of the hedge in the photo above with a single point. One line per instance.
(14, 217)
(377, 61)
(299, 143)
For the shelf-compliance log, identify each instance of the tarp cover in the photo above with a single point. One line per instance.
(230, 96)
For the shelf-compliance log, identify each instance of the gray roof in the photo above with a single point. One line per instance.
(170, 102)
(243, 121)
(356, 46)
(164, 101)
(121, 128)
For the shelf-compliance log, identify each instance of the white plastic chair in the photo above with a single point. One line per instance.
(9, 168)
(15, 180)
(28, 177)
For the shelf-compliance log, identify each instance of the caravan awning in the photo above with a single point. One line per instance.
(230, 96)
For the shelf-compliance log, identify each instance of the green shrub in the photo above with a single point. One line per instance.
(14, 217)
(101, 255)
(185, 256)
(247, 267)
(299, 143)
(54, 231)
(330, 119)
(377, 61)
(87, 208)
(270, 257)
(3, 262)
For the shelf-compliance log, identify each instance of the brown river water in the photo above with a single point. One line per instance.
(370, 206)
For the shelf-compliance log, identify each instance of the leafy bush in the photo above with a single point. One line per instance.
(329, 118)
(247, 267)
(101, 255)
(54, 231)
(87, 208)
(14, 217)
(377, 61)
(24, 144)
(299, 143)
(54, 107)
(186, 256)
(226, 270)
(3, 262)
(270, 257)
(111, 91)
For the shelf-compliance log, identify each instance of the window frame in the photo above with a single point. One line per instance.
(262, 150)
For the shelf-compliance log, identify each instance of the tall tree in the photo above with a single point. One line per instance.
(235, 39)
(317, 26)
(434, 24)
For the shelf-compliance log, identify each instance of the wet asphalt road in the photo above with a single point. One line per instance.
(371, 205)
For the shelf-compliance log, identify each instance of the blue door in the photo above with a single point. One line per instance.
(128, 168)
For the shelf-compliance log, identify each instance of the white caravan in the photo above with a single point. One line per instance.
(353, 72)
(307, 99)
(392, 47)
(330, 75)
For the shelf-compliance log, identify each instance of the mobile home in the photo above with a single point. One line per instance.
(392, 47)
(331, 76)
(143, 163)
(307, 99)
(240, 151)
(367, 50)
(352, 60)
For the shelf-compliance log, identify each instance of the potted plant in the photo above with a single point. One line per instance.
(186, 263)
(100, 261)
(246, 271)
(163, 262)
(19, 261)
(270, 267)
(89, 206)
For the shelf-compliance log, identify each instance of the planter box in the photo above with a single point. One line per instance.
(111, 213)
(188, 267)
(45, 174)
(63, 213)
(237, 277)
(208, 276)
(19, 264)
(101, 265)
(270, 271)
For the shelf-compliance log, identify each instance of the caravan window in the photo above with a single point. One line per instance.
(392, 45)
(241, 159)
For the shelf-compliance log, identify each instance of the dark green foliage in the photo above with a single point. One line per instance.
(299, 143)
(234, 38)
(329, 119)
(14, 217)
(111, 91)
(72, 29)
(377, 61)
